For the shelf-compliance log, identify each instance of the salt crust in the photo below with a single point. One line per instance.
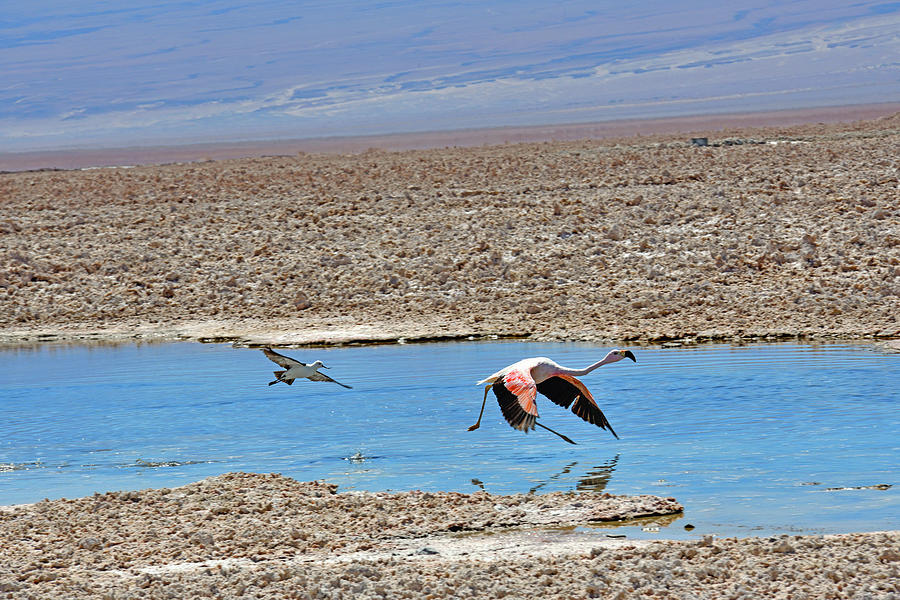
(268, 536)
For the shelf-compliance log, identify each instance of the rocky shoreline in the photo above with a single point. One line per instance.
(267, 536)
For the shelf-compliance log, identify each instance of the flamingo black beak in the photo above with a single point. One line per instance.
(629, 354)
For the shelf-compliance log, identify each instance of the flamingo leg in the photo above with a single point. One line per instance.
(556, 432)
(483, 402)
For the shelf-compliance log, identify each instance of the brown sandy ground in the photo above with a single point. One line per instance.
(268, 536)
(766, 233)
(769, 232)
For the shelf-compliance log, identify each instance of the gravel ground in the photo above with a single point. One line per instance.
(268, 536)
(765, 233)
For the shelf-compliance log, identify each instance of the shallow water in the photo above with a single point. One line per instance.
(749, 438)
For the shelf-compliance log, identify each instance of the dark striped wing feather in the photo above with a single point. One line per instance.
(512, 410)
(559, 390)
(591, 413)
(280, 359)
(565, 390)
(323, 377)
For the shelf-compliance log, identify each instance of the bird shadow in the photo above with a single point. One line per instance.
(594, 479)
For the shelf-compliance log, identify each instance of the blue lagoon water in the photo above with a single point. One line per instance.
(753, 440)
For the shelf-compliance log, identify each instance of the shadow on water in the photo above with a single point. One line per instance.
(752, 440)
(594, 480)
(597, 478)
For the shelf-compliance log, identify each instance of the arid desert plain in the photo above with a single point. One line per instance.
(788, 232)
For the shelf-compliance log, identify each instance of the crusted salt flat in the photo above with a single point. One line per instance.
(645, 238)
(269, 536)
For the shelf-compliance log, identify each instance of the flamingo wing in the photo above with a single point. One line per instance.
(280, 359)
(564, 389)
(559, 390)
(517, 393)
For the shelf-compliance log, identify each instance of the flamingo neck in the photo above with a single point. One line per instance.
(579, 372)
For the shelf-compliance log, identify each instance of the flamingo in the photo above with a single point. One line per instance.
(294, 369)
(516, 388)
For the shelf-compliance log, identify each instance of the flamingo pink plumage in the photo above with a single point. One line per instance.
(517, 386)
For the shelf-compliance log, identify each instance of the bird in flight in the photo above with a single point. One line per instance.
(517, 385)
(294, 369)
